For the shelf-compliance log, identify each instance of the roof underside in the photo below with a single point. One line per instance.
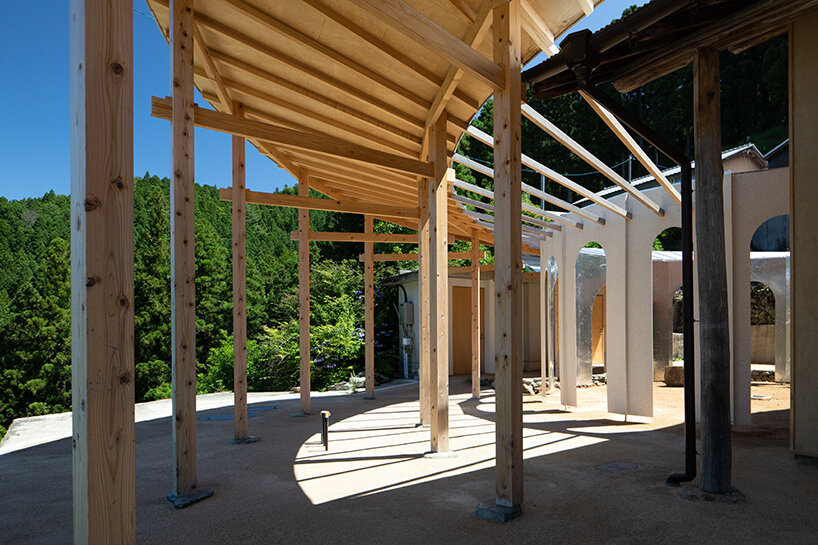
(330, 67)
(661, 37)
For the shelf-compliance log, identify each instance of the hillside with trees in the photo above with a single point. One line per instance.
(35, 319)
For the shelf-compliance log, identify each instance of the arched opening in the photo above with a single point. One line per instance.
(666, 260)
(590, 283)
(769, 331)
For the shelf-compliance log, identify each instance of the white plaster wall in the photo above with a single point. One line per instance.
(751, 198)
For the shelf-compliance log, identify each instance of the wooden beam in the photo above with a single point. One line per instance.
(475, 314)
(239, 288)
(322, 236)
(183, 266)
(407, 20)
(508, 328)
(413, 256)
(248, 128)
(369, 313)
(623, 135)
(537, 28)
(587, 6)
(330, 205)
(531, 190)
(716, 458)
(424, 357)
(210, 69)
(439, 288)
(102, 261)
(477, 31)
(553, 175)
(468, 269)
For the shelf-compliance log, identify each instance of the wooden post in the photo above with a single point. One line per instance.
(544, 378)
(475, 314)
(304, 296)
(423, 295)
(102, 249)
(369, 312)
(439, 288)
(239, 289)
(182, 260)
(508, 328)
(712, 312)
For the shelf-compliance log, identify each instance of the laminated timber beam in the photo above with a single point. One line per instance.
(248, 128)
(102, 268)
(329, 205)
(407, 20)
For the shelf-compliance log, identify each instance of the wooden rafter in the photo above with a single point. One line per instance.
(406, 19)
(537, 28)
(478, 29)
(623, 135)
(393, 52)
(553, 175)
(531, 190)
(587, 6)
(249, 128)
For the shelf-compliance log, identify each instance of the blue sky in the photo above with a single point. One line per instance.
(34, 135)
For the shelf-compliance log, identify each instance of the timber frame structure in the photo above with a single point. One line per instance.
(372, 121)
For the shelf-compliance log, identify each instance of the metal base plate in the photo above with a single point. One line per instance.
(180, 502)
(491, 511)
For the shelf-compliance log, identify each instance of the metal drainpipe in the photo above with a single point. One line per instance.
(636, 125)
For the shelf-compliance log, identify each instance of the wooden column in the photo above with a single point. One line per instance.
(439, 288)
(239, 289)
(804, 231)
(508, 327)
(544, 377)
(304, 296)
(369, 312)
(423, 295)
(182, 259)
(475, 314)
(712, 310)
(102, 249)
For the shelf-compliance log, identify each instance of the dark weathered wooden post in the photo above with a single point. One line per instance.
(713, 318)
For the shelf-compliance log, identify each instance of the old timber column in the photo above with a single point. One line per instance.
(804, 230)
(439, 288)
(716, 458)
(304, 297)
(102, 257)
(369, 312)
(508, 325)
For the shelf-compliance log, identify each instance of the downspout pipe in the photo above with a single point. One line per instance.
(643, 130)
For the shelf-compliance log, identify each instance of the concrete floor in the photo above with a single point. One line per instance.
(374, 485)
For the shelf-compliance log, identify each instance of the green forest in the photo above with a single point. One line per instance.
(35, 314)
